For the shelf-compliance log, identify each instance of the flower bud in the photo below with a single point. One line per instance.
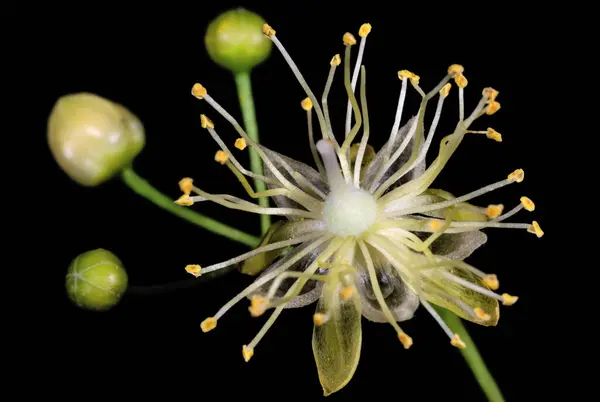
(96, 280)
(235, 40)
(92, 138)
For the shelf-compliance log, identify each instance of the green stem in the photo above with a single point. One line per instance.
(143, 188)
(472, 356)
(244, 89)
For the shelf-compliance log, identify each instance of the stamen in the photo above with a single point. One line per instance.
(185, 201)
(456, 341)
(240, 144)
(208, 324)
(402, 75)
(363, 32)
(489, 133)
(185, 185)
(320, 318)
(437, 318)
(535, 228)
(307, 105)
(494, 210)
(527, 204)
(221, 157)
(405, 340)
(482, 315)
(193, 269)
(506, 299)
(346, 293)
(199, 91)
(335, 61)
(491, 281)
(250, 190)
(518, 176)
(258, 305)
(365, 138)
(509, 300)
(492, 108)
(247, 353)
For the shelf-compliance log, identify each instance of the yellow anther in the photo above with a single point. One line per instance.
(209, 324)
(364, 30)
(346, 293)
(492, 108)
(404, 74)
(445, 90)
(199, 91)
(205, 122)
(186, 185)
(435, 225)
(335, 60)
(518, 175)
(306, 104)
(535, 228)
(456, 341)
(482, 315)
(527, 204)
(193, 269)
(509, 300)
(184, 201)
(493, 134)
(247, 353)
(461, 80)
(405, 339)
(494, 211)
(491, 281)
(490, 94)
(240, 144)
(319, 318)
(455, 69)
(258, 305)
(268, 30)
(221, 157)
(349, 39)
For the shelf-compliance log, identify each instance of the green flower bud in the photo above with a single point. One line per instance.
(92, 138)
(235, 40)
(96, 280)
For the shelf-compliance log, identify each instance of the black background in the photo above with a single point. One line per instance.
(147, 60)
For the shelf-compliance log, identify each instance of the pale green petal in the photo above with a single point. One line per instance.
(337, 343)
(458, 246)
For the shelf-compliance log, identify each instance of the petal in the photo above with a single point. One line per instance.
(401, 300)
(458, 246)
(337, 343)
(380, 158)
(444, 292)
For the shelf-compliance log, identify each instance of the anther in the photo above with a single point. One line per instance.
(258, 305)
(490, 94)
(184, 201)
(456, 341)
(319, 318)
(455, 69)
(240, 144)
(247, 353)
(445, 90)
(494, 211)
(527, 204)
(335, 61)
(492, 108)
(221, 157)
(491, 281)
(209, 324)
(518, 175)
(482, 315)
(536, 229)
(405, 339)
(509, 300)
(435, 225)
(493, 135)
(205, 122)
(186, 185)
(306, 104)
(404, 74)
(193, 269)
(199, 91)
(364, 30)
(346, 293)
(461, 80)
(349, 39)
(268, 30)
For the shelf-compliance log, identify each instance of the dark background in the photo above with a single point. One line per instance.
(148, 60)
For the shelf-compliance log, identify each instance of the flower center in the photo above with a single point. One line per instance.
(349, 211)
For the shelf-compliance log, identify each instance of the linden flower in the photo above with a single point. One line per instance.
(365, 235)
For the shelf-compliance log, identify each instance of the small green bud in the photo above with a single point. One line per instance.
(92, 138)
(96, 280)
(235, 40)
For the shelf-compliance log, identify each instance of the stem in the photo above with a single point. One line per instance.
(244, 88)
(143, 188)
(473, 358)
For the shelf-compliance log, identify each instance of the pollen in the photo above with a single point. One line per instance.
(491, 281)
(258, 305)
(490, 93)
(527, 204)
(240, 144)
(492, 108)
(518, 175)
(346, 293)
(319, 318)
(461, 80)
(193, 269)
(199, 91)
(205, 122)
(445, 90)
(494, 211)
(335, 61)
(536, 229)
(456, 341)
(405, 339)
(493, 135)
(482, 315)
(364, 30)
(509, 300)
(404, 74)
(221, 157)
(455, 69)
(349, 39)
(306, 104)
(435, 225)
(184, 201)
(186, 185)
(268, 30)
(247, 353)
(209, 324)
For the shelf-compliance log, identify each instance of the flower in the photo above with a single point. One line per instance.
(364, 234)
